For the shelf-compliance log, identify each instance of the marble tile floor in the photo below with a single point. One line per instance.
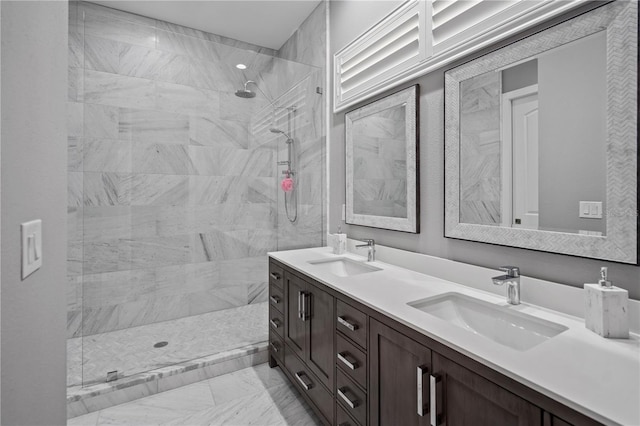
(257, 395)
(132, 351)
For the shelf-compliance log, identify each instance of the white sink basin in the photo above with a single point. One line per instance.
(342, 266)
(497, 323)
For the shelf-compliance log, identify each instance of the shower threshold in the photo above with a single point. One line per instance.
(198, 348)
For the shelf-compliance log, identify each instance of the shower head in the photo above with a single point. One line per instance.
(245, 93)
(282, 132)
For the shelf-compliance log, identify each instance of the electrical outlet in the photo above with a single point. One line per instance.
(590, 209)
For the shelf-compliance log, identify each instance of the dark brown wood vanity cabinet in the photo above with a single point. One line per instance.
(308, 334)
(358, 367)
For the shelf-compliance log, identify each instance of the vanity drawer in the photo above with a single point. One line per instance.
(276, 276)
(342, 418)
(309, 384)
(276, 298)
(351, 398)
(276, 346)
(276, 322)
(352, 323)
(351, 360)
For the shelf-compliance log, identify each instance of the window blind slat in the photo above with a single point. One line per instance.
(439, 5)
(464, 14)
(380, 68)
(409, 26)
(383, 54)
(456, 9)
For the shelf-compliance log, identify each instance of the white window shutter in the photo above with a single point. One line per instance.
(395, 44)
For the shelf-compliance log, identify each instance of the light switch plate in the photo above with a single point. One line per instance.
(31, 236)
(590, 209)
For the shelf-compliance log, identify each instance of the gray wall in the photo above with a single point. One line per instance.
(573, 132)
(563, 269)
(34, 75)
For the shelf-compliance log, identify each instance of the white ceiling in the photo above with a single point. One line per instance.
(265, 23)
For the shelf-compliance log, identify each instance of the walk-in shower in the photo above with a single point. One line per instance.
(173, 194)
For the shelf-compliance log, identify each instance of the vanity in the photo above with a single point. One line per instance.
(371, 343)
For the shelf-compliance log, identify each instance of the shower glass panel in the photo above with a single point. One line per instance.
(175, 189)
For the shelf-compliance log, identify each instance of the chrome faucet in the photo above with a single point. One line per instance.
(512, 280)
(371, 255)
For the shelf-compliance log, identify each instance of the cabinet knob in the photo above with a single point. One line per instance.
(275, 299)
(275, 276)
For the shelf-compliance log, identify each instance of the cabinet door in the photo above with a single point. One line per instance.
(320, 354)
(397, 390)
(294, 327)
(465, 398)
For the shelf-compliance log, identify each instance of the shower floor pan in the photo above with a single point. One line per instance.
(198, 347)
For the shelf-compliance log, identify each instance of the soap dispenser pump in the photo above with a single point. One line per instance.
(606, 308)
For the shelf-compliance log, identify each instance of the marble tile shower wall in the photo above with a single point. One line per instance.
(307, 46)
(172, 188)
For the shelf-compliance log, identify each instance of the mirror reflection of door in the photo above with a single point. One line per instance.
(520, 157)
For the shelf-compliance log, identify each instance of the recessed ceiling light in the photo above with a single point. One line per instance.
(241, 66)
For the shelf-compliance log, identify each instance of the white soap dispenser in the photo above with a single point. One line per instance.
(605, 308)
(340, 242)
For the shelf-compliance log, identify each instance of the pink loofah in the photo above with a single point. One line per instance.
(287, 184)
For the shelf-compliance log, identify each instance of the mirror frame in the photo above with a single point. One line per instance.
(619, 244)
(410, 98)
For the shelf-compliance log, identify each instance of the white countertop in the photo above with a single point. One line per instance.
(593, 375)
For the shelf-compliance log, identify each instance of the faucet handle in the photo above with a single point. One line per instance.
(512, 271)
(369, 241)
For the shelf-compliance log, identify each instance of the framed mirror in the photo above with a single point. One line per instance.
(541, 140)
(382, 163)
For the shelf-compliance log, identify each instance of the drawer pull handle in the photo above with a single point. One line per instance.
(275, 323)
(275, 299)
(344, 424)
(305, 305)
(307, 384)
(275, 276)
(346, 323)
(422, 407)
(434, 382)
(352, 364)
(274, 347)
(342, 394)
